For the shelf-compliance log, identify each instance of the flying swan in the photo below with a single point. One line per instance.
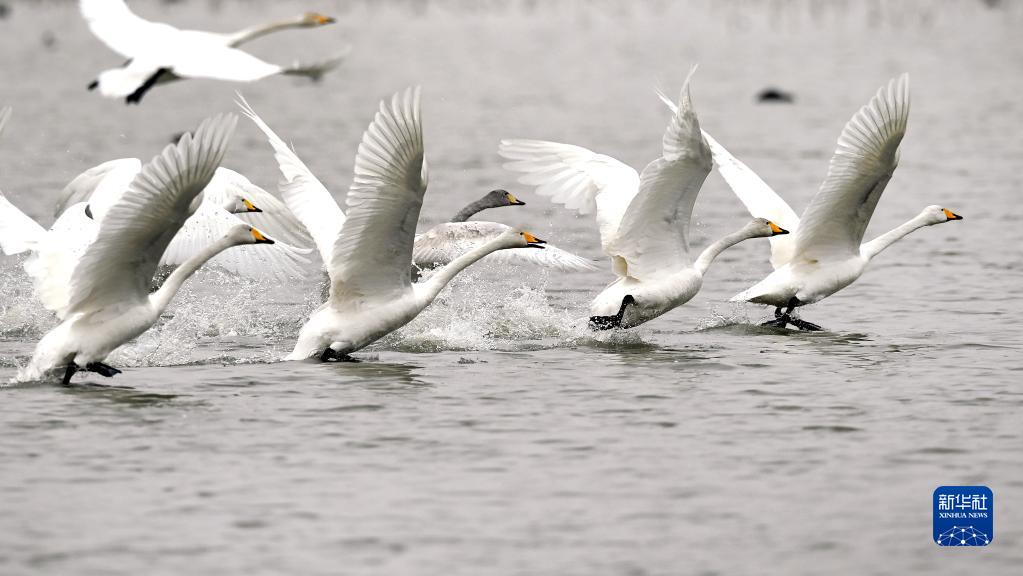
(643, 218)
(826, 251)
(110, 302)
(159, 52)
(311, 203)
(371, 292)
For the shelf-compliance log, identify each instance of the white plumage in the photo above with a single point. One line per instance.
(826, 252)
(109, 301)
(643, 218)
(320, 215)
(159, 52)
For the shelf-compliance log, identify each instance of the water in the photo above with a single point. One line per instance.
(493, 435)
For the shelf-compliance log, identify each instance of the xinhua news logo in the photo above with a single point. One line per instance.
(964, 516)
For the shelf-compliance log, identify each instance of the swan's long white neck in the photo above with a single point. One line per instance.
(870, 249)
(711, 252)
(162, 297)
(252, 32)
(429, 289)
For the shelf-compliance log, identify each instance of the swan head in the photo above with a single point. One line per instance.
(237, 204)
(521, 239)
(764, 228)
(245, 234)
(313, 19)
(935, 214)
(503, 198)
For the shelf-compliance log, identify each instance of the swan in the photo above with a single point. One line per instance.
(110, 301)
(321, 216)
(643, 218)
(371, 292)
(229, 199)
(159, 52)
(225, 201)
(826, 252)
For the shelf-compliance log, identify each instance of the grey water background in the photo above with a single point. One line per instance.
(493, 434)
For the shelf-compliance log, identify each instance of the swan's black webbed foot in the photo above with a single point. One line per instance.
(68, 373)
(611, 322)
(93, 85)
(779, 322)
(804, 325)
(330, 355)
(102, 369)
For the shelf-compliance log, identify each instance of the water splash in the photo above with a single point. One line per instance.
(484, 310)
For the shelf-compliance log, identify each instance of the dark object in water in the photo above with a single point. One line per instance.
(5, 10)
(775, 95)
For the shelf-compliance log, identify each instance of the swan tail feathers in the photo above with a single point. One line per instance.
(316, 70)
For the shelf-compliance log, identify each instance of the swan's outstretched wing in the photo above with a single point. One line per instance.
(445, 242)
(302, 192)
(653, 238)
(211, 223)
(577, 178)
(372, 257)
(273, 219)
(82, 187)
(120, 263)
(56, 255)
(120, 29)
(18, 232)
(759, 199)
(867, 154)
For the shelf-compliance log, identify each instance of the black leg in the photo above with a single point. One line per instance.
(136, 96)
(781, 319)
(102, 369)
(93, 85)
(611, 322)
(68, 373)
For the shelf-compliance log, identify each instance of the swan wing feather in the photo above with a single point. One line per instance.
(576, 178)
(304, 195)
(653, 238)
(373, 253)
(759, 199)
(210, 223)
(119, 265)
(864, 161)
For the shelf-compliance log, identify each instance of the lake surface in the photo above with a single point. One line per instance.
(495, 435)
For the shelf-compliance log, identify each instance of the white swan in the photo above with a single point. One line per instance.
(110, 301)
(371, 292)
(644, 219)
(159, 52)
(226, 200)
(229, 199)
(825, 254)
(321, 216)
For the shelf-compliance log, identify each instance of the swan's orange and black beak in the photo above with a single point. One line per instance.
(533, 241)
(249, 206)
(323, 20)
(513, 201)
(950, 215)
(260, 239)
(775, 229)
